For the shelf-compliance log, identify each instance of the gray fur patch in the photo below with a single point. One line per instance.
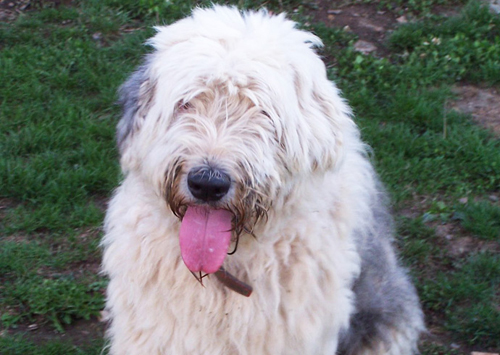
(131, 98)
(386, 301)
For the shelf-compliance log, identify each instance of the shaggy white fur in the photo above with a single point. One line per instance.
(245, 95)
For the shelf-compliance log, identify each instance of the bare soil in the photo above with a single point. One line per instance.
(483, 104)
(80, 333)
(367, 21)
(10, 9)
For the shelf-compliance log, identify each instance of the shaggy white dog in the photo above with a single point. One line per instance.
(232, 137)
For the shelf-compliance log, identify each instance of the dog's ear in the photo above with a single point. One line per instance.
(135, 97)
(325, 120)
(337, 126)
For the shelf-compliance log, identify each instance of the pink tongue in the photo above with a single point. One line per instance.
(204, 238)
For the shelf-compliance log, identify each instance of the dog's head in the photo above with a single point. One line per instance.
(229, 113)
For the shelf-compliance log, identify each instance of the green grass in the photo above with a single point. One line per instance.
(59, 71)
(463, 292)
(467, 298)
(20, 346)
(435, 349)
(400, 101)
(58, 80)
(482, 219)
(41, 278)
(57, 108)
(416, 7)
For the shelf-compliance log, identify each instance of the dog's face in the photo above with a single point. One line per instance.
(228, 116)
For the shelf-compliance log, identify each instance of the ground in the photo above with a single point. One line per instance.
(371, 24)
(482, 103)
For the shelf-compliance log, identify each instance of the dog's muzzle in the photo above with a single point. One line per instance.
(208, 184)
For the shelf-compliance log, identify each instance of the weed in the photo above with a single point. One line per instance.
(468, 297)
(61, 300)
(401, 107)
(434, 349)
(167, 11)
(18, 345)
(458, 48)
(482, 219)
(417, 7)
(415, 241)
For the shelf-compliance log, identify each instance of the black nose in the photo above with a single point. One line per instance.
(208, 184)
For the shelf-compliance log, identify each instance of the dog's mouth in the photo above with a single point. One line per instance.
(204, 238)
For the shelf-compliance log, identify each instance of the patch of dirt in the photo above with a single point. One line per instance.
(101, 202)
(79, 333)
(17, 238)
(458, 243)
(10, 9)
(446, 11)
(81, 269)
(455, 241)
(369, 23)
(483, 104)
(467, 245)
(90, 259)
(5, 205)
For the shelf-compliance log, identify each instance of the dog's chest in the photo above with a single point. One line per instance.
(298, 306)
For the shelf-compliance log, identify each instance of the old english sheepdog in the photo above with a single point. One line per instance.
(250, 220)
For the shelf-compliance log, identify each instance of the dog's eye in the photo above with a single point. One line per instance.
(184, 106)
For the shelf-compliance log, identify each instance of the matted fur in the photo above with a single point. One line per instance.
(246, 93)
